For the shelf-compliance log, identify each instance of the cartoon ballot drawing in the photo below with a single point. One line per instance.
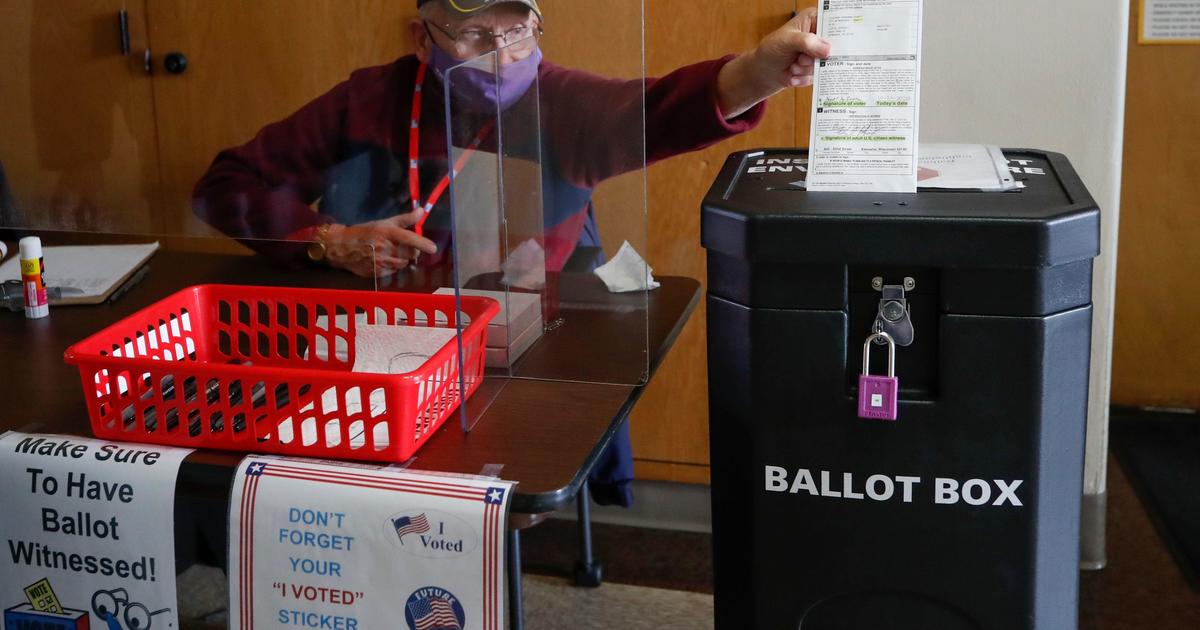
(43, 611)
(136, 616)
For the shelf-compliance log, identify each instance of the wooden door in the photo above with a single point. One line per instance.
(77, 133)
(1155, 357)
(250, 64)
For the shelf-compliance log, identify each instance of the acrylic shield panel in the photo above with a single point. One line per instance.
(551, 186)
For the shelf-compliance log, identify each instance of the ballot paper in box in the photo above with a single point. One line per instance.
(514, 330)
(26, 616)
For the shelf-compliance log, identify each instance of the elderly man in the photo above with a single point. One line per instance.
(347, 151)
(371, 154)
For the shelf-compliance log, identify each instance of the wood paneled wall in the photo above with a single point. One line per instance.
(252, 63)
(1156, 360)
(77, 127)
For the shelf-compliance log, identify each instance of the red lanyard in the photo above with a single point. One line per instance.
(414, 145)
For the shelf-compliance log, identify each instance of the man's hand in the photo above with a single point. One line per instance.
(378, 248)
(783, 59)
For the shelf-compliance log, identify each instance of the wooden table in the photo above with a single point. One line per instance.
(546, 434)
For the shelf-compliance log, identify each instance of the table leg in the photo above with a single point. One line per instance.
(516, 603)
(588, 572)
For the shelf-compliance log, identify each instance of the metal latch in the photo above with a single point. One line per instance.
(893, 316)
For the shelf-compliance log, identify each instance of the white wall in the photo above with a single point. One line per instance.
(1048, 74)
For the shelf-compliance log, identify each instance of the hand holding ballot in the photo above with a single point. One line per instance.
(783, 59)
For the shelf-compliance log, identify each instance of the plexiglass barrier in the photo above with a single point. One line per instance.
(551, 188)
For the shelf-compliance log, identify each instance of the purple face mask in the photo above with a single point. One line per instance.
(478, 90)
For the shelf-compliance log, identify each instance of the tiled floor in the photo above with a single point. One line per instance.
(556, 604)
(1141, 589)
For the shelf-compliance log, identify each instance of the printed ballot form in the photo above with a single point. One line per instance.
(865, 97)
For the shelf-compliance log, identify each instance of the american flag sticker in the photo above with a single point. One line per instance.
(410, 525)
(367, 535)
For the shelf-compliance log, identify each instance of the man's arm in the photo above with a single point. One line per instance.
(262, 192)
(264, 189)
(596, 123)
(783, 59)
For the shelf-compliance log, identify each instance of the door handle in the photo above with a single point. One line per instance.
(126, 44)
(123, 26)
(175, 62)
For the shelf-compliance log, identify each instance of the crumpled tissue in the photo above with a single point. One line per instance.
(525, 267)
(627, 271)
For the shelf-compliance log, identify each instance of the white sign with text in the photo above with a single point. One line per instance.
(88, 533)
(351, 547)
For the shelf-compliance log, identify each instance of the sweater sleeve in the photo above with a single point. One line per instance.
(265, 188)
(596, 123)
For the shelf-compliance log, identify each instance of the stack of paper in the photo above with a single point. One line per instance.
(941, 165)
(388, 349)
(514, 329)
(964, 166)
(87, 274)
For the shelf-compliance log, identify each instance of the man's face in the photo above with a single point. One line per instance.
(510, 28)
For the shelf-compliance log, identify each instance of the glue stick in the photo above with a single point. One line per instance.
(33, 268)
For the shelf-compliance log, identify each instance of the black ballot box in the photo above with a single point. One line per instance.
(963, 512)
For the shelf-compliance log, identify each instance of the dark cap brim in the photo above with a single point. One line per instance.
(467, 8)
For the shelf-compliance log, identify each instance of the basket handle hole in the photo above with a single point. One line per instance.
(333, 433)
(358, 434)
(380, 436)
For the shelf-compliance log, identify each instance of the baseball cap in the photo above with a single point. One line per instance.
(465, 8)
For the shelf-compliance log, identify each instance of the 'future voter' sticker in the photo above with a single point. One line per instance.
(433, 607)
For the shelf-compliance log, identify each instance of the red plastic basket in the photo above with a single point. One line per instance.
(268, 370)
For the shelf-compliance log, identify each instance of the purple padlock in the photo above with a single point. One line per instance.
(877, 395)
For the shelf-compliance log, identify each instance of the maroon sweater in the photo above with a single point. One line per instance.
(347, 151)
